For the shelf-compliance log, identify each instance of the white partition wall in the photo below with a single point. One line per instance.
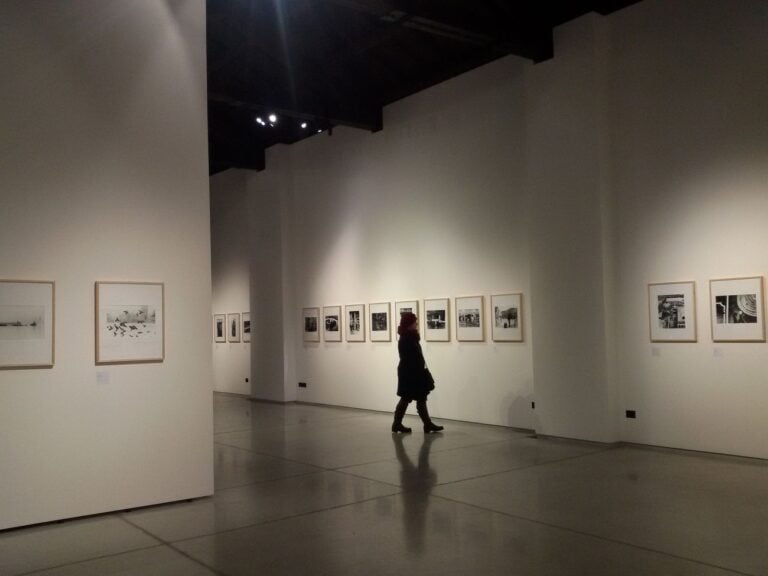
(103, 161)
(637, 155)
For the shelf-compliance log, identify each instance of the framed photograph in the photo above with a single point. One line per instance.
(672, 311)
(381, 331)
(507, 317)
(130, 322)
(737, 309)
(470, 326)
(27, 328)
(332, 323)
(437, 322)
(219, 328)
(311, 324)
(233, 327)
(355, 314)
(246, 326)
(405, 306)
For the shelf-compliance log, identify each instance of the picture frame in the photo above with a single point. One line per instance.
(507, 317)
(672, 311)
(332, 323)
(737, 309)
(233, 327)
(437, 320)
(27, 324)
(219, 328)
(246, 327)
(310, 322)
(403, 306)
(355, 322)
(380, 322)
(130, 322)
(470, 319)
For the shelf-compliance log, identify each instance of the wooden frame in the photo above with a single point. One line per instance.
(437, 319)
(470, 319)
(130, 322)
(737, 309)
(219, 328)
(507, 317)
(332, 323)
(672, 311)
(310, 321)
(27, 324)
(380, 322)
(355, 322)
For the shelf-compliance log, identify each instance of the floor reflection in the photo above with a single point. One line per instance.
(417, 481)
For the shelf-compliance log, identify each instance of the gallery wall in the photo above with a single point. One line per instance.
(690, 185)
(230, 271)
(432, 206)
(103, 157)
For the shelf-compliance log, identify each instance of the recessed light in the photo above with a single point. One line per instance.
(303, 124)
(273, 118)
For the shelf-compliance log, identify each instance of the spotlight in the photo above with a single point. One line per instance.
(260, 121)
(273, 118)
(303, 124)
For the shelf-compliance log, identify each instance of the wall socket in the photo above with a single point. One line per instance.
(302, 384)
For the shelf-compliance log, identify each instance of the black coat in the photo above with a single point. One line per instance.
(412, 380)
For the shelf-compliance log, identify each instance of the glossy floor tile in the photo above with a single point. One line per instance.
(318, 490)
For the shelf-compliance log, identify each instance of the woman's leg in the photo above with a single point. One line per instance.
(397, 425)
(429, 426)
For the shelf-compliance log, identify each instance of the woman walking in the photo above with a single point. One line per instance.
(414, 382)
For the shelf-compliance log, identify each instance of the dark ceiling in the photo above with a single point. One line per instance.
(326, 63)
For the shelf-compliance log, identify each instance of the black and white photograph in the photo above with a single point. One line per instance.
(219, 328)
(437, 320)
(26, 324)
(233, 327)
(469, 319)
(130, 322)
(355, 314)
(381, 331)
(507, 317)
(737, 310)
(246, 326)
(672, 311)
(332, 323)
(311, 324)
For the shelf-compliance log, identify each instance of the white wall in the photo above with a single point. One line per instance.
(637, 155)
(432, 206)
(231, 229)
(690, 158)
(103, 157)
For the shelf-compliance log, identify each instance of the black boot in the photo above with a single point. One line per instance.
(429, 426)
(397, 425)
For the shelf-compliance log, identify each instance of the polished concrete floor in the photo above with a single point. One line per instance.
(309, 490)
